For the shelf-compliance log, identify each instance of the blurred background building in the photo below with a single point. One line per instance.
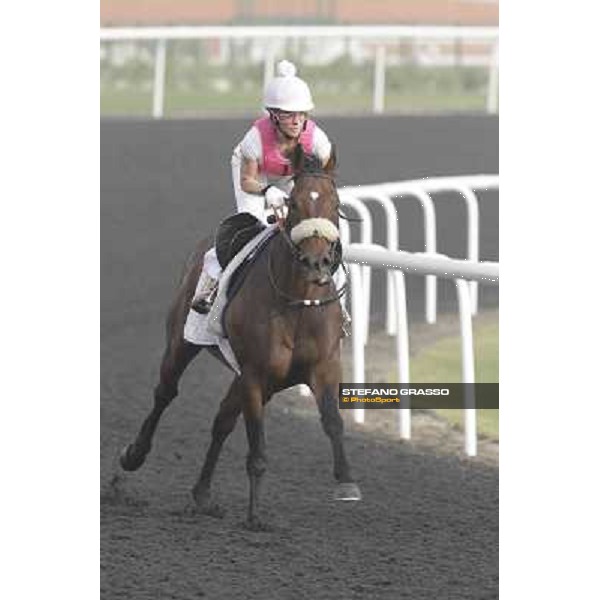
(324, 12)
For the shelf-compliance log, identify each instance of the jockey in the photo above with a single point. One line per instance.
(261, 172)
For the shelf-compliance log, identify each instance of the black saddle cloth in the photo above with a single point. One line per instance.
(234, 233)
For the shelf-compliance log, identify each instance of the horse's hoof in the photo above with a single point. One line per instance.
(347, 492)
(213, 509)
(129, 460)
(205, 505)
(256, 525)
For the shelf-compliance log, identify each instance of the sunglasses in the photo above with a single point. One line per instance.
(288, 116)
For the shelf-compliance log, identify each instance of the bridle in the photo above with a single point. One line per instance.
(293, 302)
(296, 253)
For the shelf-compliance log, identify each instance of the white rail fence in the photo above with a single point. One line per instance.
(379, 35)
(465, 186)
(359, 255)
(466, 273)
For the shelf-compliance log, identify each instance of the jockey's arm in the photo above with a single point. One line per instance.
(249, 177)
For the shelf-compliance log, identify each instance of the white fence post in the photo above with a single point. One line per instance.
(472, 236)
(358, 328)
(269, 69)
(379, 80)
(402, 349)
(468, 366)
(492, 94)
(160, 67)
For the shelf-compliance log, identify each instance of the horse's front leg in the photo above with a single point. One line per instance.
(324, 383)
(223, 425)
(256, 462)
(176, 358)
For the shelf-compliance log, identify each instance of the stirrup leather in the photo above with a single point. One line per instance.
(206, 295)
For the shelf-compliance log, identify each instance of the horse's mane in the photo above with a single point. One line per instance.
(308, 164)
(312, 164)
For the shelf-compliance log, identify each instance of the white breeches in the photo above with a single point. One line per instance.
(211, 264)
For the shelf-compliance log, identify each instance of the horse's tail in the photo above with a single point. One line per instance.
(193, 259)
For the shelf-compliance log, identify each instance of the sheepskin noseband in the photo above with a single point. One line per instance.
(318, 227)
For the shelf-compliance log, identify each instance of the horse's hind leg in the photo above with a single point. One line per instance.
(176, 358)
(223, 425)
(324, 385)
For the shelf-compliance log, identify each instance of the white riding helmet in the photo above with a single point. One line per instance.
(286, 91)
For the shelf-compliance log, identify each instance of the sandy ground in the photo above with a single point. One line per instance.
(426, 528)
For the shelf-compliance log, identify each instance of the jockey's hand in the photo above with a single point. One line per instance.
(275, 197)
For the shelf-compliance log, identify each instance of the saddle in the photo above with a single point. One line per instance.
(234, 233)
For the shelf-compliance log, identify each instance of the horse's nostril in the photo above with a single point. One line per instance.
(315, 263)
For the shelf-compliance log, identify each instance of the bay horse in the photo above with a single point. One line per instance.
(291, 336)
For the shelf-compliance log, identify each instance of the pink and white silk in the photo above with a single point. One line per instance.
(273, 162)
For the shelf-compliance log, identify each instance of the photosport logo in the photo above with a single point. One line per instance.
(418, 395)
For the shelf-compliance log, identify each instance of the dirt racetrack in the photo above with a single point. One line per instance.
(428, 523)
(426, 528)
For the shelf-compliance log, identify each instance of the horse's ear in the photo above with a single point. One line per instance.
(331, 164)
(297, 159)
